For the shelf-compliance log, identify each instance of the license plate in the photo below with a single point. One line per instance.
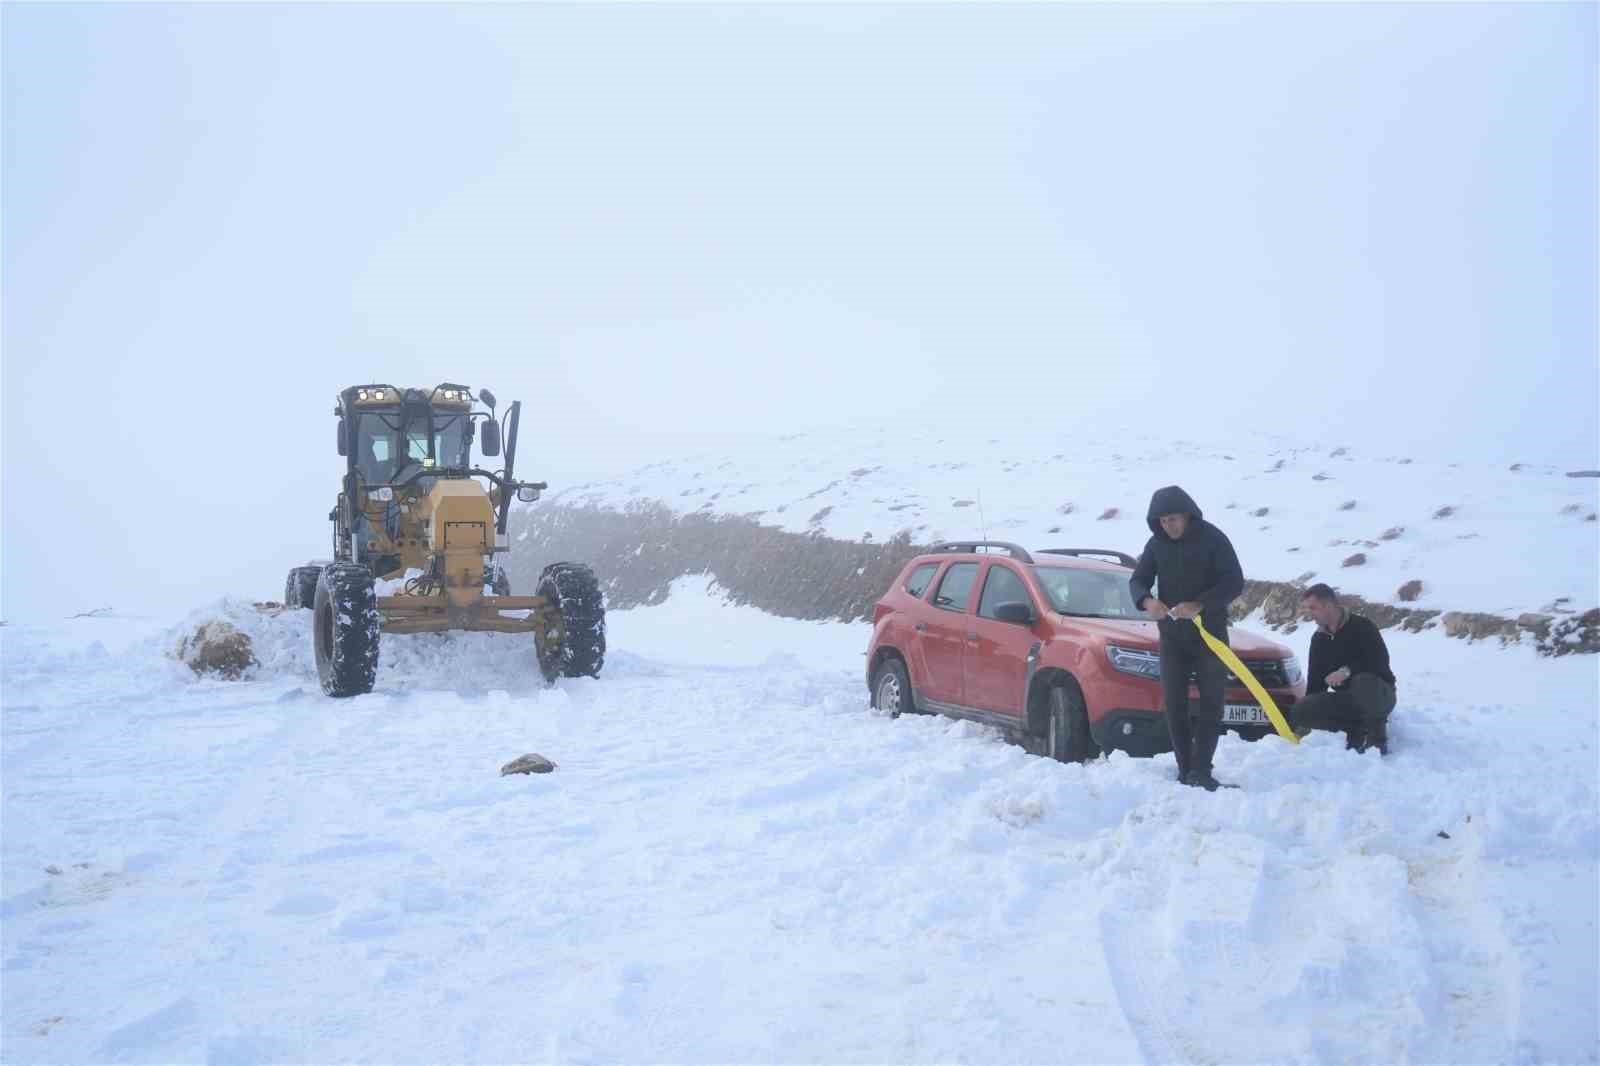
(1244, 714)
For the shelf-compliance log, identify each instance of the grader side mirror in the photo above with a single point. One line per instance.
(487, 397)
(344, 449)
(490, 437)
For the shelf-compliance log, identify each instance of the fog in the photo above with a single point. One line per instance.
(663, 226)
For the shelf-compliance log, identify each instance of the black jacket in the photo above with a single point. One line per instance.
(1201, 566)
(1358, 644)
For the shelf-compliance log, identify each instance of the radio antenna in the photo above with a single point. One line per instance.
(982, 521)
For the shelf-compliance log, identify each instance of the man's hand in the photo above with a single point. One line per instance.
(1338, 677)
(1155, 608)
(1186, 610)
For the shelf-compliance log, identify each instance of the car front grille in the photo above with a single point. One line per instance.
(1268, 671)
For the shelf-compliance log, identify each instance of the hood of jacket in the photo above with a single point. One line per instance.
(1170, 500)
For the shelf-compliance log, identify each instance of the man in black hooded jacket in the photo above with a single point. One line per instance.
(1193, 566)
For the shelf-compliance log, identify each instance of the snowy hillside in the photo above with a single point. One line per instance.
(736, 860)
(1479, 538)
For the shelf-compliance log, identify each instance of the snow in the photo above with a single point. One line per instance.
(736, 860)
(1517, 540)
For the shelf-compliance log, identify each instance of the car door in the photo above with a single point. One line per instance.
(910, 621)
(997, 655)
(943, 634)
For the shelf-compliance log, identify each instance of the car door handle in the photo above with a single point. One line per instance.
(921, 627)
(973, 637)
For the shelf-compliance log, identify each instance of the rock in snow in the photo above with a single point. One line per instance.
(216, 647)
(527, 764)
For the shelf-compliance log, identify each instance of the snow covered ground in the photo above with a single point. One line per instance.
(737, 861)
(1513, 541)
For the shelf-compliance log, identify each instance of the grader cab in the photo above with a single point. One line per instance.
(417, 531)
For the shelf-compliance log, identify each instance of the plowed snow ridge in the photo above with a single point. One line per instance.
(737, 861)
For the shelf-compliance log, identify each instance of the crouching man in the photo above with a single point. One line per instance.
(1349, 686)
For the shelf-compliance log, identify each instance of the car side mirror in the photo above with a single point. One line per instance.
(489, 439)
(1016, 613)
(343, 448)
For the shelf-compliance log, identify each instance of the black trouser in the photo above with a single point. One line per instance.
(1360, 711)
(1194, 726)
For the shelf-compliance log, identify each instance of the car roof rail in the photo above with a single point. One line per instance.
(1122, 557)
(1017, 551)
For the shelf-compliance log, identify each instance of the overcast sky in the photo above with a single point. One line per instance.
(652, 223)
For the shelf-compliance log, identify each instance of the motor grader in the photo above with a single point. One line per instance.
(415, 514)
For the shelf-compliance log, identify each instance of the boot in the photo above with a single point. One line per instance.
(1377, 737)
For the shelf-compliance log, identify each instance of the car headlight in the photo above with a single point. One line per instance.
(1134, 661)
(1291, 670)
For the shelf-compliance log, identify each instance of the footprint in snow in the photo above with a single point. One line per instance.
(303, 905)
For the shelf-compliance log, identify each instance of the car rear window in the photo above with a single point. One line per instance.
(917, 583)
(955, 588)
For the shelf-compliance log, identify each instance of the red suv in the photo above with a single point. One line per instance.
(1048, 647)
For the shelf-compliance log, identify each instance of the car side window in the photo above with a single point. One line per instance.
(917, 583)
(955, 588)
(1001, 586)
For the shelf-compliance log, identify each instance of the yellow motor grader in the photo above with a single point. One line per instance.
(413, 513)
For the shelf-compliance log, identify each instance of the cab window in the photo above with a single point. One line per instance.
(417, 444)
(920, 578)
(1001, 586)
(376, 447)
(955, 588)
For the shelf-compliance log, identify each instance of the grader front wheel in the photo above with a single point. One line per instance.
(580, 649)
(345, 626)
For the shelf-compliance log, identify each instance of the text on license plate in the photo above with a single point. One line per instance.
(1244, 714)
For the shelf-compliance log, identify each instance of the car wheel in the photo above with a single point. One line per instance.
(891, 688)
(1067, 737)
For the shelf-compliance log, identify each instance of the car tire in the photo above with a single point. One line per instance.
(345, 626)
(891, 688)
(1067, 737)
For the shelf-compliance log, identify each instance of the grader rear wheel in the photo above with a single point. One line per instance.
(300, 587)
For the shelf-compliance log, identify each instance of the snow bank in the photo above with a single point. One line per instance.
(738, 861)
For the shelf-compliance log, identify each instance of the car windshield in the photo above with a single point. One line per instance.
(1087, 593)
(379, 451)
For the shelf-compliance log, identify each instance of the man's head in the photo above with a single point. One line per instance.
(1175, 525)
(1322, 604)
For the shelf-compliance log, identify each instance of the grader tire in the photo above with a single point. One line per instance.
(573, 589)
(300, 587)
(345, 628)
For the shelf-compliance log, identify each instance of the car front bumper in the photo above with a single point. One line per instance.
(1143, 732)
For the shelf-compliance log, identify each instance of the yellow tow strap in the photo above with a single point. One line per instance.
(1240, 671)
